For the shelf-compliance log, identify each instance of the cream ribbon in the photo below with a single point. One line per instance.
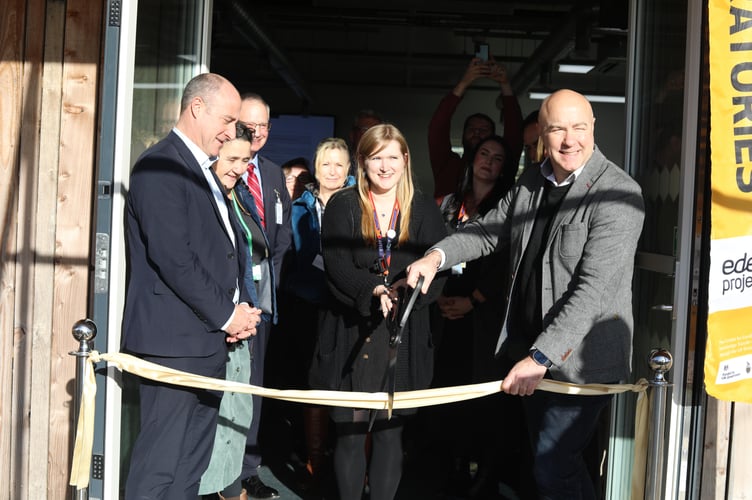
(81, 465)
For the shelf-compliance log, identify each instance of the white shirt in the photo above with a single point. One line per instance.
(206, 163)
(548, 172)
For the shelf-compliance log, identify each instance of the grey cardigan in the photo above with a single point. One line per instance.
(587, 270)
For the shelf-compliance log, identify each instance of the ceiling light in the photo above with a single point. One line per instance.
(575, 68)
(614, 99)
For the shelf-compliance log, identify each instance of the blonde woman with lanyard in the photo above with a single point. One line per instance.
(223, 473)
(370, 233)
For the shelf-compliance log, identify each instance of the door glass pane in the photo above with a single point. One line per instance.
(168, 51)
(656, 123)
(656, 159)
(168, 54)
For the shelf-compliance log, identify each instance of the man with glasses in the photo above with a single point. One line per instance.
(267, 183)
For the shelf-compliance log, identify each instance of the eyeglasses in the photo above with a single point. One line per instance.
(259, 126)
(243, 132)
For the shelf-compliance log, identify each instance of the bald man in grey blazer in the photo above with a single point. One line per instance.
(571, 227)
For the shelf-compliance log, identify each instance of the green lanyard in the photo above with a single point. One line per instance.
(247, 231)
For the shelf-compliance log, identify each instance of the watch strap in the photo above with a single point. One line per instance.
(540, 358)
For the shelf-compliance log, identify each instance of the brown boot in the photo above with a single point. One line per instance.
(316, 423)
(243, 496)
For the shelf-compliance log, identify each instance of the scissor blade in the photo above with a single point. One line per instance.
(395, 342)
(391, 379)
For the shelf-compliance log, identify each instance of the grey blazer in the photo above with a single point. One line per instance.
(587, 271)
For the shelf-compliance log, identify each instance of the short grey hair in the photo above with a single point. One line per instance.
(252, 96)
(203, 86)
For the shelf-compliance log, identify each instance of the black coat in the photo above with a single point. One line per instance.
(352, 349)
(183, 267)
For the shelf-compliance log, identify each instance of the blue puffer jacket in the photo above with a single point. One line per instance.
(306, 280)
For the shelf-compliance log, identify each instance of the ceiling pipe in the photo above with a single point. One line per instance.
(277, 59)
(559, 43)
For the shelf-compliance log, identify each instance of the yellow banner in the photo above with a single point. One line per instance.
(728, 357)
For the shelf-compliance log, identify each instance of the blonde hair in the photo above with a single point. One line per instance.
(375, 139)
(330, 144)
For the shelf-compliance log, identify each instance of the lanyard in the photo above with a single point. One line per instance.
(320, 207)
(385, 254)
(236, 207)
(461, 215)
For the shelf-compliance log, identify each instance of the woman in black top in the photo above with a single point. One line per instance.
(370, 233)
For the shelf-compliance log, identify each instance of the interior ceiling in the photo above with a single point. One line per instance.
(412, 44)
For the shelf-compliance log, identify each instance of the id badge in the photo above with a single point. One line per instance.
(278, 209)
(457, 269)
(256, 273)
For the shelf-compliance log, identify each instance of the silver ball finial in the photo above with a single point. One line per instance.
(84, 330)
(660, 361)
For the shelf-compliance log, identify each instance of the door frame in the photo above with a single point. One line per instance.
(678, 415)
(122, 161)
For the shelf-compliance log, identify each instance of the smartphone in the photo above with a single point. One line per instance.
(482, 52)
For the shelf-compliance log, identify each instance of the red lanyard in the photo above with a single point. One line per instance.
(385, 254)
(461, 215)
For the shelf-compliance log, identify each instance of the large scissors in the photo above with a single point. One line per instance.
(395, 322)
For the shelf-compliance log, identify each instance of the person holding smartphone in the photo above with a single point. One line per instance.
(447, 166)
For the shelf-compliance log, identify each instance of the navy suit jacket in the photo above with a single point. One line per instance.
(182, 266)
(279, 232)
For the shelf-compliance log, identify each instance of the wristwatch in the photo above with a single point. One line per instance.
(540, 358)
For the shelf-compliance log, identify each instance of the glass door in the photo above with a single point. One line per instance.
(164, 43)
(661, 124)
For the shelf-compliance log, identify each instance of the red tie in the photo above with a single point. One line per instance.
(255, 189)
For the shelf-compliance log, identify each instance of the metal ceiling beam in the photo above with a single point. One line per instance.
(559, 43)
(254, 34)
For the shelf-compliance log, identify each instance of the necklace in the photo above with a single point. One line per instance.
(242, 208)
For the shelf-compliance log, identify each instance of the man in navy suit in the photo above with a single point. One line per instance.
(276, 206)
(185, 299)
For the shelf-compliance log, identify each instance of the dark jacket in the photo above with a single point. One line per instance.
(276, 199)
(182, 266)
(245, 198)
(352, 350)
(303, 278)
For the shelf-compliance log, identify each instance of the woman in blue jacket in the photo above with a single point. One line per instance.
(304, 282)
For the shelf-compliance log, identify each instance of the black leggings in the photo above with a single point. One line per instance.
(350, 463)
